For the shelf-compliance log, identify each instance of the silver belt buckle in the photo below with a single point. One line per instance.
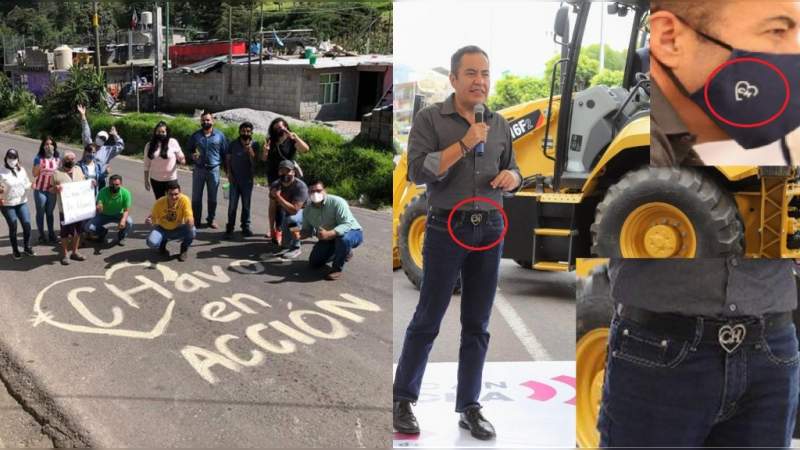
(731, 336)
(476, 218)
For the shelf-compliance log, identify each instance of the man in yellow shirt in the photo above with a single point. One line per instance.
(173, 219)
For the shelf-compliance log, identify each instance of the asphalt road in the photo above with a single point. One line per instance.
(231, 348)
(533, 317)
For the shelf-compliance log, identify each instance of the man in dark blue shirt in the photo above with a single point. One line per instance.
(240, 160)
(208, 148)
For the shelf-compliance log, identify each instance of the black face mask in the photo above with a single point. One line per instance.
(286, 179)
(207, 126)
(113, 189)
(752, 96)
(68, 164)
(245, 137)
(162, 137)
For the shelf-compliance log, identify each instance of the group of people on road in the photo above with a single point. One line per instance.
(296, 210)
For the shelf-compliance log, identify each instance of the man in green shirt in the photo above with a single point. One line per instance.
(113, 205)
(329, 218)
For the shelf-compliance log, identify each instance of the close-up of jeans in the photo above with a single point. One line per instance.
(446, 260)
(662, 389)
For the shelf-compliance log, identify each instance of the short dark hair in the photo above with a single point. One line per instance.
(455, 60)
(114, 177)
(317, 182)
(206, 113)
(172, 185)
(702, 16)
(245, 125)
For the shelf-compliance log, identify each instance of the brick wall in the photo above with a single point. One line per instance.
(291, 91)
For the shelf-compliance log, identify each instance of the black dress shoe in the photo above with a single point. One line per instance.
(480, 428)
(404, 420)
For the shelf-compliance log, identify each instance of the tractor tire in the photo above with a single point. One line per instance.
(594, 310)
(658, 212)
(412, 227)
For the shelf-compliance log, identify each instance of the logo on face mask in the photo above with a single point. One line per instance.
(745, 90)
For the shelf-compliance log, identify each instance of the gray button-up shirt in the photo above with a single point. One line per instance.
(716, 287)
(439, 126)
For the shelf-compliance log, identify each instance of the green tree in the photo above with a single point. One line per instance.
(513, 90)
(608, 78)
(614, 60)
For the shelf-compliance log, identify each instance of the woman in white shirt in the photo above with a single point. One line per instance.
(14, 185)
(161, 158)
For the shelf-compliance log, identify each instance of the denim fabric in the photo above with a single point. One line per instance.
(12, 214)
(236, 192)
(202, 178)
(295, 221)
(98, 225)
(335, 250)
(45, 205)
(444, 260)
(160, 236)
(678, 391)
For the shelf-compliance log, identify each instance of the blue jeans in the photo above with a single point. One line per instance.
(288, 240)
(662, 389)
(335, 249)
(159, 236)
(45, 205)
(98, 225)
(236, 192)
(202, 178)
(444, 260)
(21, 213)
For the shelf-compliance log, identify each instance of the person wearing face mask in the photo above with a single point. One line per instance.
(45, 164)
(14, 184)
(328, 217)
(209, 147)
(728, 85)
(282, 145)
(163, 154)
(107, 144)
(289, 194)
(70, 233)
(113, 206)
(240, 161)
(93, 168)
(703, 352)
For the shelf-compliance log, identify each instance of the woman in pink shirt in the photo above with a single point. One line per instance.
(161, 158)
(45, 164)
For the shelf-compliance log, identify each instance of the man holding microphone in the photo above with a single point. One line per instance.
(458, 154)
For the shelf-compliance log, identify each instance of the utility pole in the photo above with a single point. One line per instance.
(96, 25)
(249, 40)
(158, 68)
(230, 49)
(261, 46)
(166, 45)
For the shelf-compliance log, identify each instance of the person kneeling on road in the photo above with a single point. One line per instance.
(113, 206)
(289, 194)
(330, 219)
(173, 219)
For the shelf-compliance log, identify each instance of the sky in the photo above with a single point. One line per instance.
(517, 35)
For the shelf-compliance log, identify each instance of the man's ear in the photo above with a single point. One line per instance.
(453, 79)
(668, 38)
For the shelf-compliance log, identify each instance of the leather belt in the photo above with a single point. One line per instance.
(728, 333)
(473, 216)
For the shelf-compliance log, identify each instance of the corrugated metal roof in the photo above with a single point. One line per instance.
(322, 62)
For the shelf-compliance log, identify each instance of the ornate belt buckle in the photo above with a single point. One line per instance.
(731, 336)
(476, 218)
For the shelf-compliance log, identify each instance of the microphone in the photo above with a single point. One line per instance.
(479, 109)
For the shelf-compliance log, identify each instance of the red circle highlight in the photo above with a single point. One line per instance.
(755, 124)
(477, 200)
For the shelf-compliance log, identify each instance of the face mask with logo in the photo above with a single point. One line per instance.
(753, 96)
(316, 197)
